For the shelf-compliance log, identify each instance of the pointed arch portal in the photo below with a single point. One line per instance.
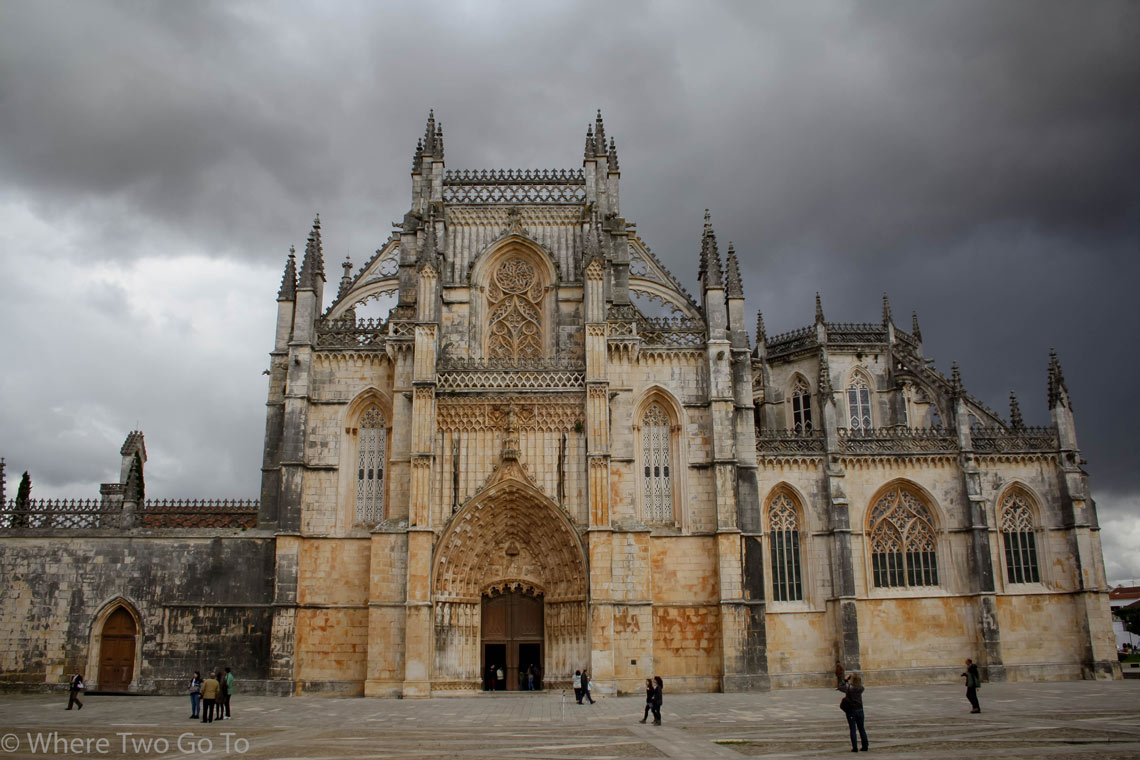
(117, 651)
(510, 589)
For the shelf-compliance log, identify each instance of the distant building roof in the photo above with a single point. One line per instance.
(1123, 595)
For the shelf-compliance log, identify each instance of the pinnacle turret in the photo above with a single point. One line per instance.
(886, 309)
(761, 333)
(599, 136)
(611, 157)
(955, 380)
(733, 288)
(1058, 390)
(914, 326)
(288, 289)
(589, 152)
(1015, 420)
(346, 278)
(710, 273)
(818, 308)
(313, 264)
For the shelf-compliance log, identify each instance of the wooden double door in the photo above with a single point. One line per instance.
(117, 651)
(512, 640)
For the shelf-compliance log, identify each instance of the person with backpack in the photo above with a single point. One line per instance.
(973, 683)
(75, 687)
(195, 694)
(852, 707)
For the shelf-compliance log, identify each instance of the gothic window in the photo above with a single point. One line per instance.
(371, 461)
(859, 403)
(784, 534)
(1020, 542)
(903, 546)
(515, 295)
(657, 492)
(801, 407)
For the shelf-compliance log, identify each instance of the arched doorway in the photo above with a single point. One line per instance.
(117, 651)
(512, 637)
(510, 589)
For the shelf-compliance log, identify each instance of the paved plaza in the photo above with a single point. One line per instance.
(1025, 720)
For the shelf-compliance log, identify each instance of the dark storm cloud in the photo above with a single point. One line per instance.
(977, 160)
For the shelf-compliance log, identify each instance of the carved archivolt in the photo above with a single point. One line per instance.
(514, 325)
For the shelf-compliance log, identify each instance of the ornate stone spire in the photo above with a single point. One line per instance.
(886, 309)
(914, 326)
(599, 136)
(710, 273)
(761, 333)
(818, 308)
(418, 158)
(433, 138)
(1058, 391)
(1015, 420)
(611, 157)
(313, 264)
(955, 381)
(288, 289)
(592, 243)
(346, 278)
(428, 251)
(732, 285)
(589, 152)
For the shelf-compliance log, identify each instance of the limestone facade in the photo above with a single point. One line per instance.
(547, 452)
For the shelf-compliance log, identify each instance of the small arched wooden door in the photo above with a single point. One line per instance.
(117, 651)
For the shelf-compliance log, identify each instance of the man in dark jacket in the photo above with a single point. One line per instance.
(76, 686)
(973, 683)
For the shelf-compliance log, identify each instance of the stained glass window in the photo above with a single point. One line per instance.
(657, 496)
(859, 404)
(801, 407)
(784, 534)
(371, 461)
(1020, 540)
(903, 545)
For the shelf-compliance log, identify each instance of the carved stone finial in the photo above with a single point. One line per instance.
(611, 157)
(589, 152)
(313, 264)
(1058, 390)
(710, 273)
(418, 157)
(1015, 420)
(914, 326)
(761, 333)
(955, 380)
(346, 278)
(818, 308)
(733, 287)
(886, 310)
(288, 289)
(599, 135)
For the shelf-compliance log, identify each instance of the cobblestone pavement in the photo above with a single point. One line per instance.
(1083, 720)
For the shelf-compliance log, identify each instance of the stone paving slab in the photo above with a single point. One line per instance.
(1081, 720)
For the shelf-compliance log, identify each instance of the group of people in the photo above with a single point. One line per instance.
(852, 702)
(653, 689)
(210, 697)
(582, 686)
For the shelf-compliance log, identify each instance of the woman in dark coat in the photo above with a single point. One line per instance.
(853, 707)
(658, 687)
(648, 700)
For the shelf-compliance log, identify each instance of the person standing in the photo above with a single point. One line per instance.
(973, 683)
(210, 690)
(227, 691)
(658, 689)
(74, 688)
(648, 700)
(586, 686)
(578, 686)
(852, 706)
(195, 694)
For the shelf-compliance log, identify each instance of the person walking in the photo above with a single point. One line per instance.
(973, 683)
(578, 686)
(648, 700)
(586, 686)
(195, 694)
(227, 691)
(852, 706)
(76, 685)
(658, 688)
(210, 690)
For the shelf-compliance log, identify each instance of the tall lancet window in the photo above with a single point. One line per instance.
(859, 403)
(801, 407)
(1020, 541)
(784, 534)
(371, 460)
(515, 323)
(903, 545)
(657, 496)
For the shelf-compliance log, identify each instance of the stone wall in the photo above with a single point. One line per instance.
(202, 600)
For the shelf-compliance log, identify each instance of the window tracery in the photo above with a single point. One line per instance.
(1020, 540)
(903, 545)
(784, 534)
(801, 407)
(371, 460)
(859, 403)
(515, 293)
(657, 492)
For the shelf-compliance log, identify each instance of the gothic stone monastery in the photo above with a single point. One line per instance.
(548, 455)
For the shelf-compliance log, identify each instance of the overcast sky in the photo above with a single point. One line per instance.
(979, 161)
